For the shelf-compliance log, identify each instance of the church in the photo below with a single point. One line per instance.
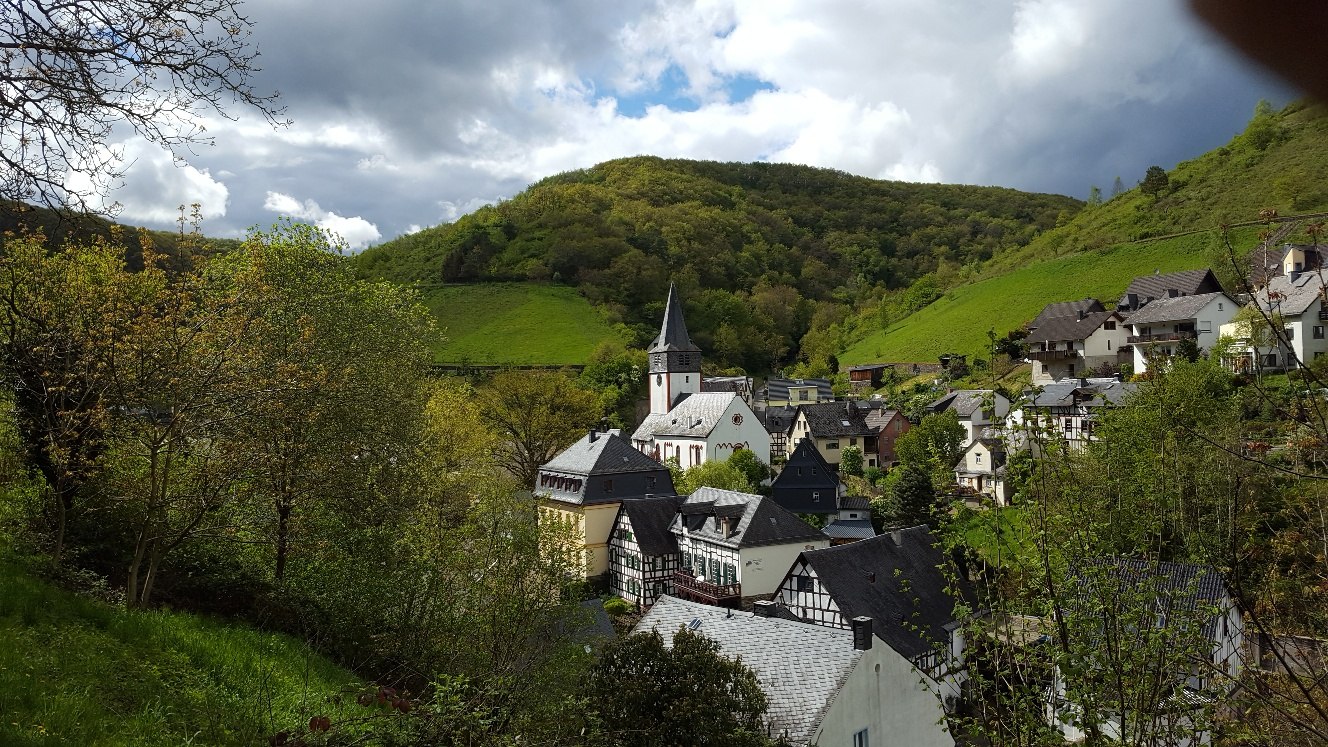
(686, 423)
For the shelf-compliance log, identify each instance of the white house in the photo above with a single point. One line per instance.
(643, 553)
(1295, 302)
(1188, 606)
(982, 467)
(1075, 339)
(736, 546)
(1159, 327)
(686, 423)
(824, 686)
(1064, 411)
(976, 409)
(897, 580)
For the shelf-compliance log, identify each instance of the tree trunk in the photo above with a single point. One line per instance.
(284, 505)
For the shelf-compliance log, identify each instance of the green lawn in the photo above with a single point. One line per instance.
(74, 671)
(498, 323)
(959, 321)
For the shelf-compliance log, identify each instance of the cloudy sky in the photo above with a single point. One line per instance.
(410, 114)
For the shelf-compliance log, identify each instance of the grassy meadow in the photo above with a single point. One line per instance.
(498, 323)
(75, 671)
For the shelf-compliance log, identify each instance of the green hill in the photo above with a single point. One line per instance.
(81, 672)
(756, 249)
(516, 323)
(1270, 166)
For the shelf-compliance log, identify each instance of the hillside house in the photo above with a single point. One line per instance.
(868, 375)
(1064, 411)
(643, 553)
(1159, 328)
(807, 484)
(794, 392)
(686, 423)
(736, 546)
(833, 426)
(981, 469)
(889, 425)
(1075, 342)
(778, 422)
(897, 580)
(1148, 288)
(824, 686)
(1190, 605)
(582, 487)
(1296, 301)
(975, 408)
(1279, 260)
(852, 522)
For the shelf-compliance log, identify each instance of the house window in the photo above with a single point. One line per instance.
(1205, 326)
(977, 458)
(1290, 332)
(832, 445)
(1318, 332)
(608, 486)
(804, 583)
(804, 395)
(1108, 344)
(1219, 305)
(860, 739)
(816, 497)
(1109, 325)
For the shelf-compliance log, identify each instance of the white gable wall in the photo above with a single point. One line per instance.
(889, 698)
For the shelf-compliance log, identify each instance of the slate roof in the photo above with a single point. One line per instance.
(854, 503)
(778, 419)
(965, 402)
(830, 419)
(1071, 327)
(895, 579)
(1175, 309)
(761, 521)
(1292, 297)
(778, 389)
(806, 455)
(1085, 392)
(1065, 309)
(1181, 587)
(673, 333)
(1149, 288)
(609, 453)
(1266, 261)
(801, 667)
(694, 416)
(851, 529)
(650, 519)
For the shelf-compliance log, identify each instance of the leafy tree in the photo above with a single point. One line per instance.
(714, 474)
(1094, 196)
(654, 695)
(72, 71)
(850, 461)
(750, 465)
(537, 414)
(934, 444)
(913, 496)
(1117, 187)
(1155, 181)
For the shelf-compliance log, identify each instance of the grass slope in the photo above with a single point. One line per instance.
(498, 323)
(959, 321)
(78, 672)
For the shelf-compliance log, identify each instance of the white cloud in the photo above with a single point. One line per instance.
(356, 231)
(156, 185)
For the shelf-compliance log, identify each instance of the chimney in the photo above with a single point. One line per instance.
(764, 608)
(1132, 300)
(1293, 276)
(898, 537)
(593, 435)
(862, 633)
(1172, 292)
(1082, 313)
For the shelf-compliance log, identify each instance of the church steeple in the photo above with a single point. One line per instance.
(675, 362)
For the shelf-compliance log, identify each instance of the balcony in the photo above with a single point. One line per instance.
(1048, 356)
(1187, 334)
(687, 586)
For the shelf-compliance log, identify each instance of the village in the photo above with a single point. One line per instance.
(857, 636)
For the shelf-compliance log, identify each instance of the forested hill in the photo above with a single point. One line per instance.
(757, 249)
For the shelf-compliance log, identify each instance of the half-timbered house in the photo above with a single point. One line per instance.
(896, 579)
(643, 553)
(736, 546)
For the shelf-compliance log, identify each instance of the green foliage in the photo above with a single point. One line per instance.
(933, 445)
(1155, 181)
(616, 606)
(78, 671)
(750, 465)
(712, 474)
(618, 376)
(651, 695)
(913, 496)
(850, 461)
(537, 414)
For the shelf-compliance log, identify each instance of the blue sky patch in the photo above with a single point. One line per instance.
(670, 90)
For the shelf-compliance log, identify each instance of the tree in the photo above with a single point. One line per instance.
(750, 465)
(1155, 181)
(1094, 196)
(935, 444)
(914, 497)
(714, 474)
(850, 461)
(73, 71)
(537, 414)
(1117, 187)
(654, 695)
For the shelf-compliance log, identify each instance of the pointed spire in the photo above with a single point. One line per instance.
(673, 334)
